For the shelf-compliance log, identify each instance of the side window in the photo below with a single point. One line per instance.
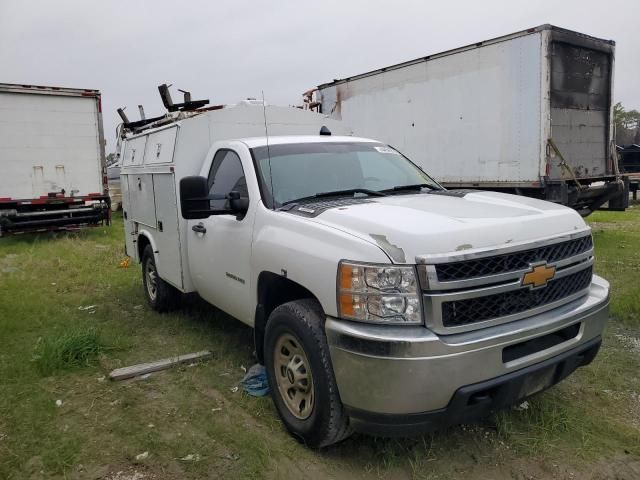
(226, 175)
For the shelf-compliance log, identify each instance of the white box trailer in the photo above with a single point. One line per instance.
(529, 113)
(51, 158)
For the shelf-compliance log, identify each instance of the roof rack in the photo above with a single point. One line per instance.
(175, 112)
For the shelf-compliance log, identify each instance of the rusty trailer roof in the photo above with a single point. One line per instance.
(503, 38)
(48, 90)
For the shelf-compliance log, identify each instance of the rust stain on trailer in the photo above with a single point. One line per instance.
(341, 94)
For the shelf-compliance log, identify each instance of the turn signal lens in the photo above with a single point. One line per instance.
(378, 293)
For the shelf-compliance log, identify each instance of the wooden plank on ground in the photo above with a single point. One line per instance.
(143, 368)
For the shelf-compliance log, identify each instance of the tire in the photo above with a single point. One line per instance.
(161, 296)
(299, 367)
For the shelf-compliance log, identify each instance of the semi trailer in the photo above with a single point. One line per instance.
(52, 159)
(527, 113)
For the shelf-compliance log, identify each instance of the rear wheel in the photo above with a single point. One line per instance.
(161, 296)
(300, 375)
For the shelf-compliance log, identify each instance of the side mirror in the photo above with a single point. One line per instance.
(194, 201)
(239, 205)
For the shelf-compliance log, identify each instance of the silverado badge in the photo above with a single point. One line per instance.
(538, 276)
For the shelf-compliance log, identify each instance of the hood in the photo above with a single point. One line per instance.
(454, 222)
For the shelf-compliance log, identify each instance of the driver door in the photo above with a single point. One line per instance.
(220, 245)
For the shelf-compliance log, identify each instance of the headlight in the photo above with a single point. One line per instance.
(386, 294)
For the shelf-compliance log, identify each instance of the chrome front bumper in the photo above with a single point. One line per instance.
(395, 370)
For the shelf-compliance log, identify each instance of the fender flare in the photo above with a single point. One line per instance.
(149, 238)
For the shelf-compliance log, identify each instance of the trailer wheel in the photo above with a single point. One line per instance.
(161, 296)
(300, 374)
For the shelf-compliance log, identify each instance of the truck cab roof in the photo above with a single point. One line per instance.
(254, 142)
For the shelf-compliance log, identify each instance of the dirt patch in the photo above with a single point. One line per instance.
(285, 467)
(619, 468)
(629, 342)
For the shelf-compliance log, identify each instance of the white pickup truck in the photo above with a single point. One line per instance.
(380, 301)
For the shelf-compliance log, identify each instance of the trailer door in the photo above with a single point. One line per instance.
(49, 144)
(580, 104)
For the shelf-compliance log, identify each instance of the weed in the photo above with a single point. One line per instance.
(68, 349)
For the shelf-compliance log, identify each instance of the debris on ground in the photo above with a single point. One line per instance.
(216, 409)
(231, 456)
(142, 456)
(523, 406)
(192, 457)
(125, 262)
(58, 403)
(146, 368)
(88, 308)
(255, 381)
(234, 389)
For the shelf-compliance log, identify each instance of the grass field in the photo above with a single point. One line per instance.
(69, 313)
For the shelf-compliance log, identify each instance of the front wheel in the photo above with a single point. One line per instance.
(161, 296)
(300, 375)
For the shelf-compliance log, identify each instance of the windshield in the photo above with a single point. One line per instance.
(300, 170)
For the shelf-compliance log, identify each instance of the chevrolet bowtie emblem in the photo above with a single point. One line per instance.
(538, 276)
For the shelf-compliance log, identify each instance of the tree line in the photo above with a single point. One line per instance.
(627, 123)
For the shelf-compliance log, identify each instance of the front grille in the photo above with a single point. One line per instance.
(509, 262)
(463, 312)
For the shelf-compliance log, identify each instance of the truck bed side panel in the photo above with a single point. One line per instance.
(49, 143)
(473, 116)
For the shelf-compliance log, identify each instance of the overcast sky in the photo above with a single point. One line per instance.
(229, 50)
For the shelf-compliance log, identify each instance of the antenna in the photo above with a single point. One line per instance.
(266, 132)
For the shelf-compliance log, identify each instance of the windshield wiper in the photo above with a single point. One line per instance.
(350, 191)
(336, 193)
(417, 186)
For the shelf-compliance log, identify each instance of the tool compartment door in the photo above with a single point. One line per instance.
(142, 207)
(129, 228)
(167, 236)
(160, 145)
(134, 151)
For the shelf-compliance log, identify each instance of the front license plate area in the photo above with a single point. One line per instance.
(538, 381)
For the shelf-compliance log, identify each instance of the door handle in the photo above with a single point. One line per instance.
(199, 228)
